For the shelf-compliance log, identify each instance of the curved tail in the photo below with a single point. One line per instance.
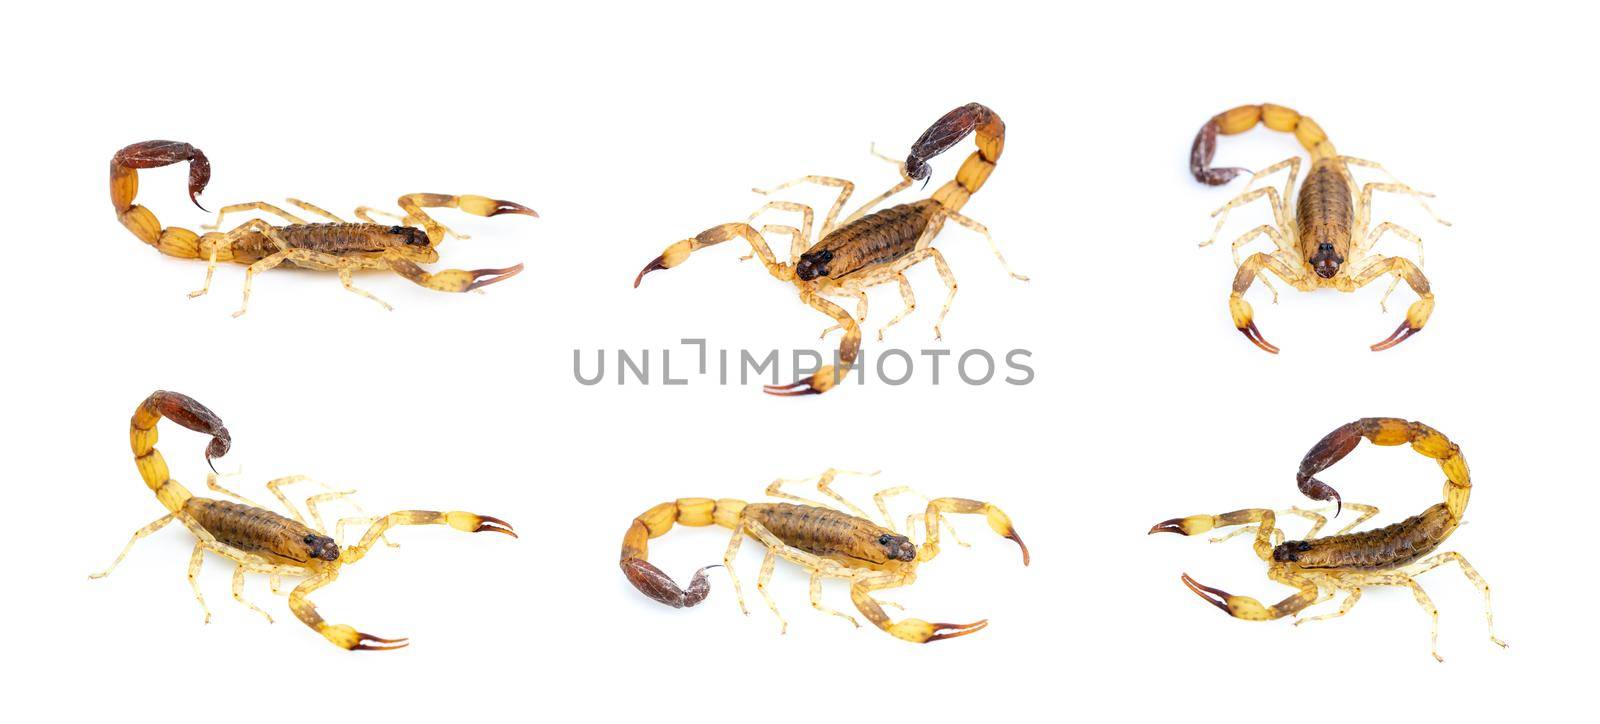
(1243, 118)
(1388, 431)
(655, 522)
(173, 241)
(947, 132)
(185, 411)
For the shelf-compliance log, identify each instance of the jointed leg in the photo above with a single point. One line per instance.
(256, 226)
(727, 563)
(1279, 216)
(845, 189)
(238, 591)
(1473, 576)
(1400, 187)
(1366, 511)
(365, 213)
(413, 204)
(315, 209)
(1279, 212)
(981, 229)
(861, 311)
(347, 278)
(908, 296)
(767, 565)
(999, 522)
(211, 483)
(252, 206)
(949, 278)
(881, 499)
(903, 184)
(158, 524)
(465, 522)
(1344, 608)
(1317, 521)
(1417, 315)
(828, 376)
(816, 600)
(194, 572)
(1283, 250)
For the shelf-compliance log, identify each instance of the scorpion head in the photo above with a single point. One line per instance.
(897, 547)
(1289, 552)
(410, 235)
(1326, 261)
(813, 264)
(321, 547)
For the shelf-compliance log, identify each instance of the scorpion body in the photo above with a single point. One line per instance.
(1318, 567)
(339, 246)
(866, 250)
(828, 541)
(258, 540)
(1326, 243)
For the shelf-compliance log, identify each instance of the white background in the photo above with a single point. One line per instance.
(629, 127)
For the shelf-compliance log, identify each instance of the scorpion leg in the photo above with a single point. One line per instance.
(914, 630)
(981, 229)
(226, 242)
(413, 204)
(825, 486)
(1418, 196)
(1401, 579)
(211, 483)
(1473, 576)
(828, 376)
(906, 295)
(347, 278)
(1417, 315)
(252, 206)
(1344, 608)
(315, 209)
(449, 280)
(945, 274)
(1276, 202)
(276, 486)
(238, 591)
(903, 184)
(154, 526)
(845, 189)
(861, 311)
(1284, 250)
(816, 600)
(365, 213)
(341, 635)
(881, 498)
(1240, 310)
(799, 239)
(195, 561)
(727, 561)
(1317, 521)
(767, 565)
(1366, 511)
(1279, 211)
(1372, 240)
(999, 522)
(465, 522)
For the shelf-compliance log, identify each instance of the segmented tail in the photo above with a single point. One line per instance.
(1243, 118)
(654, 523)
(947, 132)
(185, 411)
(173, 241)
(1388, 431)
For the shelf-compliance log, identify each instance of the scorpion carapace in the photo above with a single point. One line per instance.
(1320, 567)
(1327, 242)
(866, 249)
(258, 540)
(829, 541)
(338, 246)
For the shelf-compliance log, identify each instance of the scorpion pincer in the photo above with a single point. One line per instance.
(258, 540)
(1326, 243)
(338, 246)
(867, 250)
(1348, 562)
(828, 541)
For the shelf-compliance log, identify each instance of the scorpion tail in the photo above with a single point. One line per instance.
(655, 522)
(947, 132)
(185, 411)
(173, 241)
(1243, 118)
(1388, 431)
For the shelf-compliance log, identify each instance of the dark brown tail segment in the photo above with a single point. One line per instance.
(1244, 118)
(185, 411)
(125, 186)
(654, 523)
(1386, 431)
(947, 132)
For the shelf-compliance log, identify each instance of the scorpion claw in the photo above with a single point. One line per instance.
(484, 277)
(1213, 596)
(816, 384)
(1400, 334)
(958, 629)
(1174, 525)
(368, 642)
(1252, 333)
(485, 206)
(1244, 321)
(656, 263)
(473, 523)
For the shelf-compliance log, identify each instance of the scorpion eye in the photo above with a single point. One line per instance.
(397, 229)
(310, 540)
(883, 540)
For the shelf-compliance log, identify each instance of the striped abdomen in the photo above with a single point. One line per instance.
(876, 238)
(824, 532)
(254, 530)
(1388, 547)
(1324, 212)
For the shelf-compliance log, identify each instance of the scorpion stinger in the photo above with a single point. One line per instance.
(1320, 567)
(1326, 243)
(828, 541)
(261, 541)
(866, 250)
(338, 246)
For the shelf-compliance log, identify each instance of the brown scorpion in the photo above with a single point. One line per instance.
(866, 250)
(338, 246)
(1326, 244)
(829, 541)
(1319, 567)
(258, 540)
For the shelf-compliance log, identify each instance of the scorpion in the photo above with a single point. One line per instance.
(829, 541)
(866, 250)
(258, 540)
(337, 246)
(1348, 562)
(1327, 242)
